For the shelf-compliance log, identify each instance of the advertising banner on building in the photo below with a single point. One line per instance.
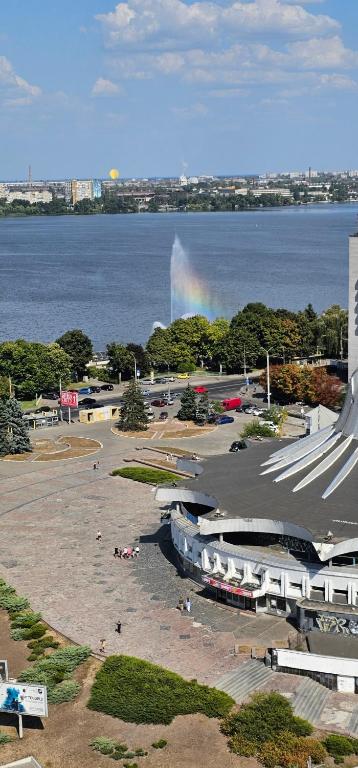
(69, 399)
(23, 699)
(227, 587)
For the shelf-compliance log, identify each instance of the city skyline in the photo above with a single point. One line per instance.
(164, 87)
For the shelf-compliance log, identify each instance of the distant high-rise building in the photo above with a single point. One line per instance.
(97, 188)
(352, 306)
(81, 190)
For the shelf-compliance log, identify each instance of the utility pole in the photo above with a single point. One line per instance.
(268, 379)
(245, 374)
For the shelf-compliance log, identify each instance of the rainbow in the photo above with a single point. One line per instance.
(190, 294)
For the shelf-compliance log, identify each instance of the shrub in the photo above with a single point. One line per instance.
(264, 718)
(144, 475)
(124, 688)
(53, 669)
(12, 602)
(338, 745)
(38, 647)
(159, 744)
(26, 620)
(4, 738)
(288, 750)
(67, 690)
(254, 429)
(28, 633)
(103, 745)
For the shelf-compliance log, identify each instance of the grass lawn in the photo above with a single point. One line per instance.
(27, 404)
(143, 475)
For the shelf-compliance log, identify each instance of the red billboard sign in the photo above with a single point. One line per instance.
(70, 399)
(227, 587)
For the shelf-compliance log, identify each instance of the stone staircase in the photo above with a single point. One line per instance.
(244, 680)
(310, 700)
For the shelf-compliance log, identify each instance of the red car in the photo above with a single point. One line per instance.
(158, 403)
(200, 390)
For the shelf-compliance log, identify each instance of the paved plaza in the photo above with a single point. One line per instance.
(49, 517)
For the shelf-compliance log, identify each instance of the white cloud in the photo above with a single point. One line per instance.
(103, 87)
(14, 90)
(323, 53)
(166, 23)
(191, 112)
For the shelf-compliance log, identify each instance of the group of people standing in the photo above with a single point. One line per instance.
(126, 553)
(184, 605)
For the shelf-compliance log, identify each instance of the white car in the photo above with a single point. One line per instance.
(150, 415)
(257, 411)
(269, 424)
(168, 401)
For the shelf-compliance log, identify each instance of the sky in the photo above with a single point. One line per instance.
(164, 87)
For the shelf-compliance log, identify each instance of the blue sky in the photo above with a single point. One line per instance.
(158, 87)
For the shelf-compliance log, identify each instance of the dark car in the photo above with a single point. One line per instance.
(88, 401)
(107, 387)
(95, 389)
(163, 416)
(240, 409)
(43, 409)
(225, 419)
(212, 418)
(158, 403)
(237, 445)
(51, 395)
(247, 406)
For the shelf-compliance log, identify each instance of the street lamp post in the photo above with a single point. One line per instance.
(267, 351)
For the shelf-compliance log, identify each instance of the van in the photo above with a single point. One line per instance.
(231, 403)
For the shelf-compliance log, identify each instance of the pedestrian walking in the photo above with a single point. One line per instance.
(102, 647)
(116, 552)
(99, 536)
(98, 464)
(180, 604)
(119, 627)
(136, 551)
(188, 604)
(95, 465)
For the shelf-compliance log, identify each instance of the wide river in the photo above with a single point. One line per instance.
(110, 275)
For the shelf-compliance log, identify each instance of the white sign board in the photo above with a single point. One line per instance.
(23, 699)
(345, 684)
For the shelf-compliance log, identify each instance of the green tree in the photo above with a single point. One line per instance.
(33, 367)
(4, 388)
(140, 356)
(202, 411)
(121, 360)
(187, 411)
(79, 348)
(133, 416)
(159, 348)
(14, 437)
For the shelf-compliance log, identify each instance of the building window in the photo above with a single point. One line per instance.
(295, 585)
(340, 596)
(275, 581)
(317, 593)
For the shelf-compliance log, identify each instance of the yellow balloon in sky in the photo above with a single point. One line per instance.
(114, 174)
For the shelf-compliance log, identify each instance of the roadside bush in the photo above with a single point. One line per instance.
(26, 620)
(103, 745)
(30, 633)
(52, 670)
(38, 647)
(254, 429)
(288, 750)
(143, 475)
(139, 692)
(65, 691)
(337, 745)
(187, 366)
(12, 602)
(264, 718)
(159, 744)
(4, 738)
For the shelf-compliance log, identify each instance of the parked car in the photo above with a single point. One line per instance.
(247, 406)
(240, 409)
(225, 419)
(230, 403)
(50, 395)
(270, 424)
(43, 409)
(200, 390)
(163, 416)
(107, 387)
(150, 415)
(95, 389)
(212, 418)
(171, 378)
(183, 375)
(168, 401)
(85, 391)
(237, 445)
(146, 392)
(257, 412)
(87, 401)
(158, 403)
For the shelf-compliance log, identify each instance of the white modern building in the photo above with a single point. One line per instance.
(276, 531)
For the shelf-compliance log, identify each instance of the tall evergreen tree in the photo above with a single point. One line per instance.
(187, 411)
(133, 416)
(14, 430)
(202, 411)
